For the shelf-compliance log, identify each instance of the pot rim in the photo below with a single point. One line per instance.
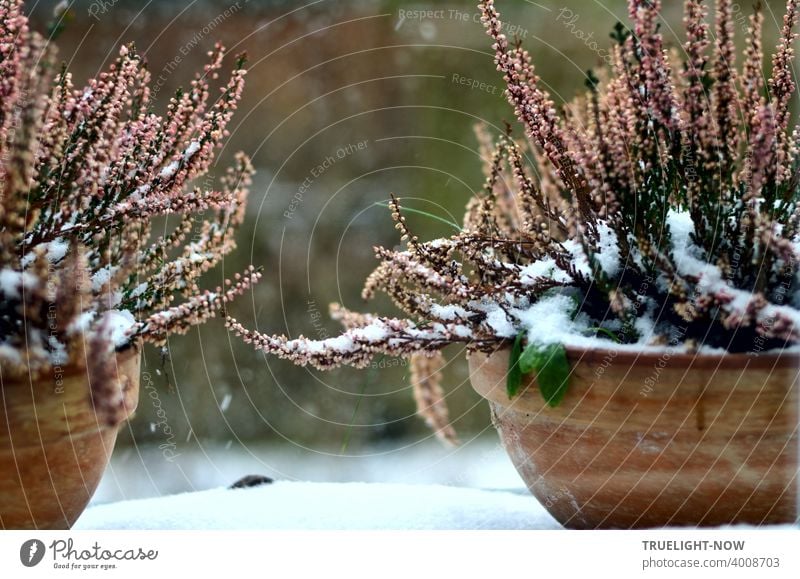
(763, 360)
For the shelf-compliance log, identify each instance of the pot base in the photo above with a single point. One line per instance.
(53, 448)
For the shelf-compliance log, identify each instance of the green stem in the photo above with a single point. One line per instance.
(605, 331)
(349, 430)
(420, 212)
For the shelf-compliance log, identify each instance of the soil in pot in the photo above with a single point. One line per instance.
(651, 440)
(53, 447)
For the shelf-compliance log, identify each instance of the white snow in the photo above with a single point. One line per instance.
(543, 268)
(285, 505)
(170, 170)
(81, 323)
(374, 332)
(327, 506)
(141, 472)
(497, 319)
(339, 344)
(56, 250)
(607, 255)
(120, 323)
(347, 342)
(139, 290)
(58, 352)
(549, 321)
(710, 279)
(645, 326)
(10, 354)
(11, 282)
(191, 150)
(608, 250)
(101, 277)
(635, 255)
(398, 485)
(448, 313)
(164, 316)
(579, 258)
(686, 255)
(225, 403)
(461, 331)
(439, 242)
(139, 193)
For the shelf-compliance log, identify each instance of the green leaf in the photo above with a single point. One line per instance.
(514, 376)
(529, 359)
(552, 370)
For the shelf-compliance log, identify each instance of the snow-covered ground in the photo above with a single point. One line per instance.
(144, 472)
(330, 506)
(420, 485)
(415, 486)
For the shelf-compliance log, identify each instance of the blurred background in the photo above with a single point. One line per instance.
(345, 103)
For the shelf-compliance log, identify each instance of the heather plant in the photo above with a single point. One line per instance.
(83, 174)
(659, 209)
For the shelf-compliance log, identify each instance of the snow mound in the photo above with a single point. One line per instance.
(287, 505)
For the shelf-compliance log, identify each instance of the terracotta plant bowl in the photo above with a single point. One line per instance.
(650, 440)
(53, 449)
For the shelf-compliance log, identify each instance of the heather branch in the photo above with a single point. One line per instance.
(426, 379)
(725, 98)
(782, 85)
(356, 346)
(534, 108)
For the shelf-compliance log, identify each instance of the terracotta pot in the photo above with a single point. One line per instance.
(650, 440)
(53, 448)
